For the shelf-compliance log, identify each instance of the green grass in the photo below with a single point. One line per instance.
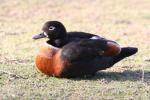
(125, 21)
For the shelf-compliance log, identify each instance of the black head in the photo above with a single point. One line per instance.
(52, 30)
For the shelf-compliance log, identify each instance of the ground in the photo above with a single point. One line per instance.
(125, 21)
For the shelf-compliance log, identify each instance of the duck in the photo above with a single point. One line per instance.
(76, 54)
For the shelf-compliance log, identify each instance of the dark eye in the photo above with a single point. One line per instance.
(51, 28)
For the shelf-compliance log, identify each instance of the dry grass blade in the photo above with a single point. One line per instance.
(12, 75)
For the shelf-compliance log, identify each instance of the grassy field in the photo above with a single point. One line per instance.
(125, 21)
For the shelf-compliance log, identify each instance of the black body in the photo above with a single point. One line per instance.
(85, 59)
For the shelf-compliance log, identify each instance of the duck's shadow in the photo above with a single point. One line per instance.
(126, 75)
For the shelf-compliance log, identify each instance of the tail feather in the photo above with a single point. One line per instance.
(125, 52)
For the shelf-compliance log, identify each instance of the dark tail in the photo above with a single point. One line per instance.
(125, 52)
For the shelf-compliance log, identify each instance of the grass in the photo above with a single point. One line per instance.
(124, 21)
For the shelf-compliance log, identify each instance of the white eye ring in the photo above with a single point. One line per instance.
(51, 28)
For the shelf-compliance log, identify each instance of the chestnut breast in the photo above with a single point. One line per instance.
(48, 61)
